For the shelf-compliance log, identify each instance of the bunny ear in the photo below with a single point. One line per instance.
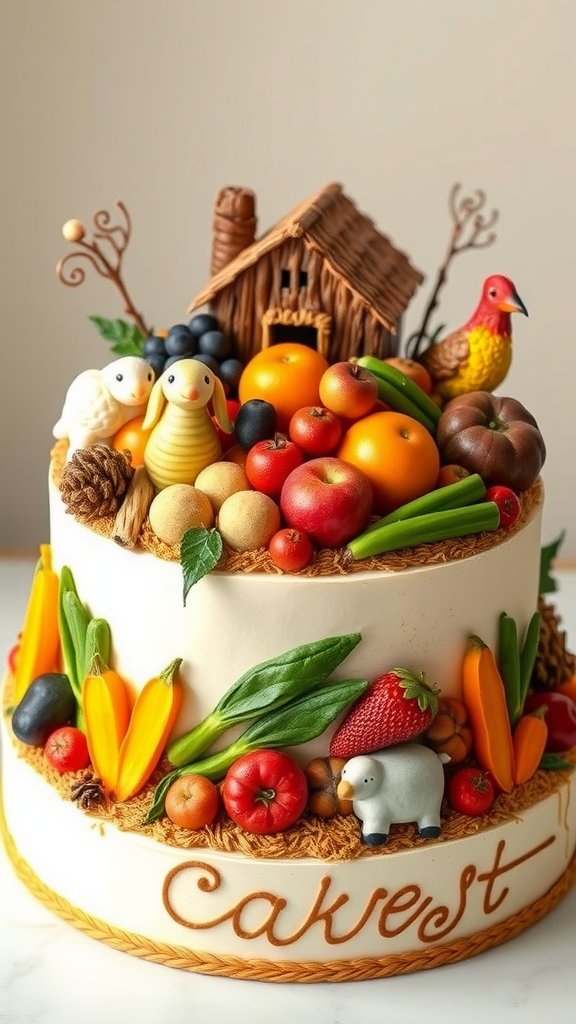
(220, 407)
(155, 406)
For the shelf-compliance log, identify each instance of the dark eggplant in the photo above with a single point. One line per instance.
(48, 703)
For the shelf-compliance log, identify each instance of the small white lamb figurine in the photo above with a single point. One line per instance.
(183, 439)
(99, 402)
(400, 784)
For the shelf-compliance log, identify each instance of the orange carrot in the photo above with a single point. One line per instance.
(529, 742)
(106, 713)
(151, 721)
(485, 698)
(40, 641)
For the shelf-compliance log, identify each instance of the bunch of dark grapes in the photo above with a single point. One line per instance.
(200, 339)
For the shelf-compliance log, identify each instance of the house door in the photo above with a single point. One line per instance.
(301, 325)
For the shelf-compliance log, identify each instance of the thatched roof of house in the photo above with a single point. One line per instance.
(356, 252)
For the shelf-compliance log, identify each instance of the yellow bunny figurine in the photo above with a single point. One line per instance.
(183, 439)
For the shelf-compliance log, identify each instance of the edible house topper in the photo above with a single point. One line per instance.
(323, 275)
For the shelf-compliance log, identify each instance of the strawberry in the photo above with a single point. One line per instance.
(398, 706)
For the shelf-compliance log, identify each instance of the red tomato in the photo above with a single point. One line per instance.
(470, 791)
(315, 430)
(560, 718)
(265, 791)
(268, 463)
(13, 657)
(291, 549)
(66, 749)
(507, 502)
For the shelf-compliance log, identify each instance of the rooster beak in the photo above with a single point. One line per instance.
(513, 304)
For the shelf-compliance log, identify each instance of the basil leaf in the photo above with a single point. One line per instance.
(200, 551)
(127, 338)
(304, 718)
(269, 685)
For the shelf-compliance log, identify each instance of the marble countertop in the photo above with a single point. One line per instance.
(52, 974)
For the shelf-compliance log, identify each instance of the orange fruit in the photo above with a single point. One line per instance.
(192, 801)
(414, 370)
(287, 375)
(132, 437)
(451, 474)
(397, 454)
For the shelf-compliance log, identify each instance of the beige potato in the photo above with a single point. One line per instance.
(178, 508)
(221, 479)
(248, 520)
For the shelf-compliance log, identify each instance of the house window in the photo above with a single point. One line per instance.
(303, 279)
(284, 278)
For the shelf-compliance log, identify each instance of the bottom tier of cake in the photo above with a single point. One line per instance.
(291, 918)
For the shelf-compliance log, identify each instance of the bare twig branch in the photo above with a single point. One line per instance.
(108, 265)
(471, 229)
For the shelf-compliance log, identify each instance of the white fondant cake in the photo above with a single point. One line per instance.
(317, 898)
(283, 914)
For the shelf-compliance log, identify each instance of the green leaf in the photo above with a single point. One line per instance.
(554, 763)
(200, 551)
(127, 338)
(547, 555)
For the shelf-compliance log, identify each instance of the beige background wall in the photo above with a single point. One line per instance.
(161, 103)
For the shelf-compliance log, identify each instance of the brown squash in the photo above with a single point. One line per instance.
(449, 732)
(495, 437)
(323, 776)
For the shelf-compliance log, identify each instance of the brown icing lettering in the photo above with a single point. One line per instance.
(407, 905)
(498, 869)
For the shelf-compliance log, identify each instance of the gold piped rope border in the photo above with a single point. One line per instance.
(357, 969)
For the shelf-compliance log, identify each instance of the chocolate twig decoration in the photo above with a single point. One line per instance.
(105, 252)
(466, 217)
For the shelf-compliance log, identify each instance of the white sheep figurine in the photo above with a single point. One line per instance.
(99, 402)
(400, 784)
(183, 439)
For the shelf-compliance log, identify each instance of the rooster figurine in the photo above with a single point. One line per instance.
(477, 356)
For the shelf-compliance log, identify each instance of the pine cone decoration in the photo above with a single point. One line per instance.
(554, 662)
(95, 481)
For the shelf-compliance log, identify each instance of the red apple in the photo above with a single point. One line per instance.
(315, 430)
(348, 390)
(329, 499)
(227, 440)
(268, 463)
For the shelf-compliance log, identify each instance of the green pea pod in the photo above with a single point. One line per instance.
(297, 722)
(72, 630)
(467, 491)
(266, 686)
(432, 526)
(97, 643)
(509, 666)
(528, 655)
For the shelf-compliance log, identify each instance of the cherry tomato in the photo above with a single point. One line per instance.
(560, 718)
(66, 749)
(268, 463)
(470, 791)
(265, 791)
(508, 504)
(291, 549)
